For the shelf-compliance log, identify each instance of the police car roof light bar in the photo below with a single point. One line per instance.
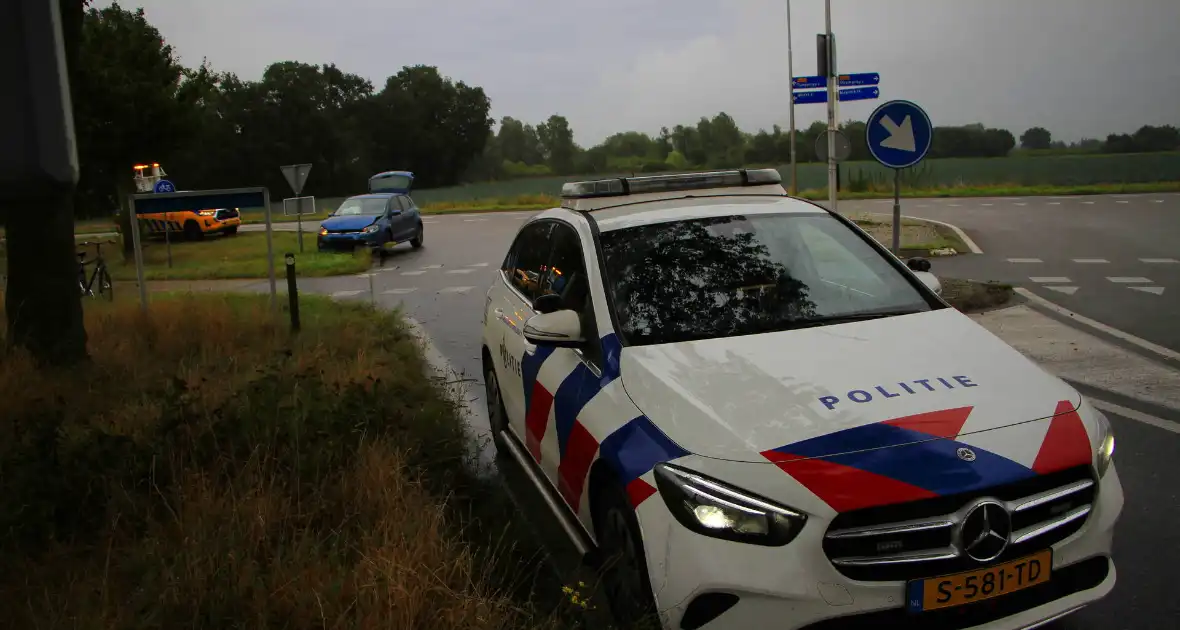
(623, 186)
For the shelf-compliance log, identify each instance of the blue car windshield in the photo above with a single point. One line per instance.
(357, 207)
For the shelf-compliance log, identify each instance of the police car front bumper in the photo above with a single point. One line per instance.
(796, 586)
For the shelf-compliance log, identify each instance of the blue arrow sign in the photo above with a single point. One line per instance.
(164, 186)
(899, 134)
(864, 78)
(821, 96)
(808, 83)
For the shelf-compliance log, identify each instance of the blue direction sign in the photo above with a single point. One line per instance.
(164, 186)
(808, 83)
(864, 78)
(899, 134)
(821, 96)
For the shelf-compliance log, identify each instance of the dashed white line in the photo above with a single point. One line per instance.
(1159, 261)
(1061, 289)
(1114, 332)
(953, 205)
(478, 265)
(1020, 204)
(987, 205)
(1157, 201)
(1153, 290)
(413, 273)
(1137, 416)
(1129, 279)
(473, 220)
(1057, 279)
(1093, 261)
(1088, 203)
(455, 289)
(399, 291)
(345, 293)
(1122, 201)
(1055, 203)
(460, 270)
(431, 267)
(1025, 260)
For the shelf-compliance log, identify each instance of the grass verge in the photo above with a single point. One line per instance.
(998, 190)
(240, 256)
(969, 296)
(208, 470)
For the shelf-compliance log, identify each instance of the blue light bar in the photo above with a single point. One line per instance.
(623, 186)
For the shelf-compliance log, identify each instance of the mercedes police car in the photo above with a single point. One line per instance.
(752, 415)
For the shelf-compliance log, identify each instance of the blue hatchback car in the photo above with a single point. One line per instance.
(372, 220)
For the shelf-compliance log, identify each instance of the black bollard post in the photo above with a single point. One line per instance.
(292, 292)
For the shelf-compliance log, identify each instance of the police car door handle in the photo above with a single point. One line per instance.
(498, 312)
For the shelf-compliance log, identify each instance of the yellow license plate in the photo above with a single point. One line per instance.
(973, 586)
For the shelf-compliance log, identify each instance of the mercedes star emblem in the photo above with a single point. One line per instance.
(985, 531)
(966, 454)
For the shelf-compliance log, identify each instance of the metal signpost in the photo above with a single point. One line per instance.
(296, 175)
(898, 134)
(154, 203)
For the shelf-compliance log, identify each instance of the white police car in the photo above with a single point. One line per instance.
(758, 417)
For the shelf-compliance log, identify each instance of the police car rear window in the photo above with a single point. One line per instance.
(741, 275)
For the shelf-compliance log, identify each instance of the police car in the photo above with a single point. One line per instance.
(752, 415)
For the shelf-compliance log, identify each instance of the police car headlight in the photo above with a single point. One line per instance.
(711, 508)
(369, 229)
(1105, 452)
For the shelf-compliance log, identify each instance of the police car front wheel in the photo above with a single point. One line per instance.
(624, 567)
(497, 417)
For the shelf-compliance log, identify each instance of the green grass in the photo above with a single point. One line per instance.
(209, 469)
(240, 256)
(999, 190)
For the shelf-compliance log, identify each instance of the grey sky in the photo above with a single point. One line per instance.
(1081, 68)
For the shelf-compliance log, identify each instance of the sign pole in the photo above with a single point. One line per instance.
(897, 212)
(270, 254)
(791, 75)
(168, 237)
(135, 244)
(832, 96)
(299, 225)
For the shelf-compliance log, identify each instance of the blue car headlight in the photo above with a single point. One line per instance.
(369, 229)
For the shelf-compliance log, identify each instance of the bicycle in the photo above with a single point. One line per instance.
(101, 275)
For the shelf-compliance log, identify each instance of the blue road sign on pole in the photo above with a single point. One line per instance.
(899, 134)
(164, 186)
(808, 83)
(864, 78)
(821, 96)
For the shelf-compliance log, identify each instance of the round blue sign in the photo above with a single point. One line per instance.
(164, 186)
(899, 134)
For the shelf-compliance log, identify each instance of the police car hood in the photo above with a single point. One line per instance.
(818, 392)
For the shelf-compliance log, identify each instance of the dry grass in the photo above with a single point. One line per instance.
(969, 296)
(207, 470)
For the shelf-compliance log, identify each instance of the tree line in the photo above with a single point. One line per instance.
(135, 103)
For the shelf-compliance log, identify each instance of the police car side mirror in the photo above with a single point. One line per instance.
(930, 280)
(562, 329)
(917, 263)
(548, 303)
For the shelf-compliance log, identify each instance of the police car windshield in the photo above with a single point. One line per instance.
(742, 275)
(355, 207)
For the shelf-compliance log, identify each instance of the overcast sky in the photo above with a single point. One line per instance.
(1081, 68)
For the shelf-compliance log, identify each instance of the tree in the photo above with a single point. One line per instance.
(557, 144)
(127, 105)
(1036, 138)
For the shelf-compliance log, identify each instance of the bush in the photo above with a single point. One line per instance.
(208, 470)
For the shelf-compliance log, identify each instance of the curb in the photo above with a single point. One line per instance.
(975, 249)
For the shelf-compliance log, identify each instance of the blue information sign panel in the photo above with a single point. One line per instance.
(899, 134)
(864, 78)
(164, 186)
(808, 83)
(821, 96)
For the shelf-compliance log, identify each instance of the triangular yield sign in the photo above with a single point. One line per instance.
(296, 175)
(1155, 290)
(1065, 290)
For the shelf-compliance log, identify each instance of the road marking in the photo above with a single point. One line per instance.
(429, 221)
(399, 291)
(1088, 203)
(413, 273)
(460, 270)
(1057, 279)
(1129, 279)
(1025, 260)
(478, 265)
(1159, 261)
(473, 220)
(1155, 290)
(1157, 201)
(1122, 201)
(455, 289)
(431, 267)
(364, 275)
(338, 294)
(958, 232)
(1021, 204)
(1065, 290)
(987, 205)
(953, 205)
(1055, 203)
(1099, 326)
(1137, 416)
(1091, 260)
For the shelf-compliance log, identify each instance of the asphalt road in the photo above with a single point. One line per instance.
(442, 286)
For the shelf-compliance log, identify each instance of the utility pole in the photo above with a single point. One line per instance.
(833, 94)
(791, 96)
